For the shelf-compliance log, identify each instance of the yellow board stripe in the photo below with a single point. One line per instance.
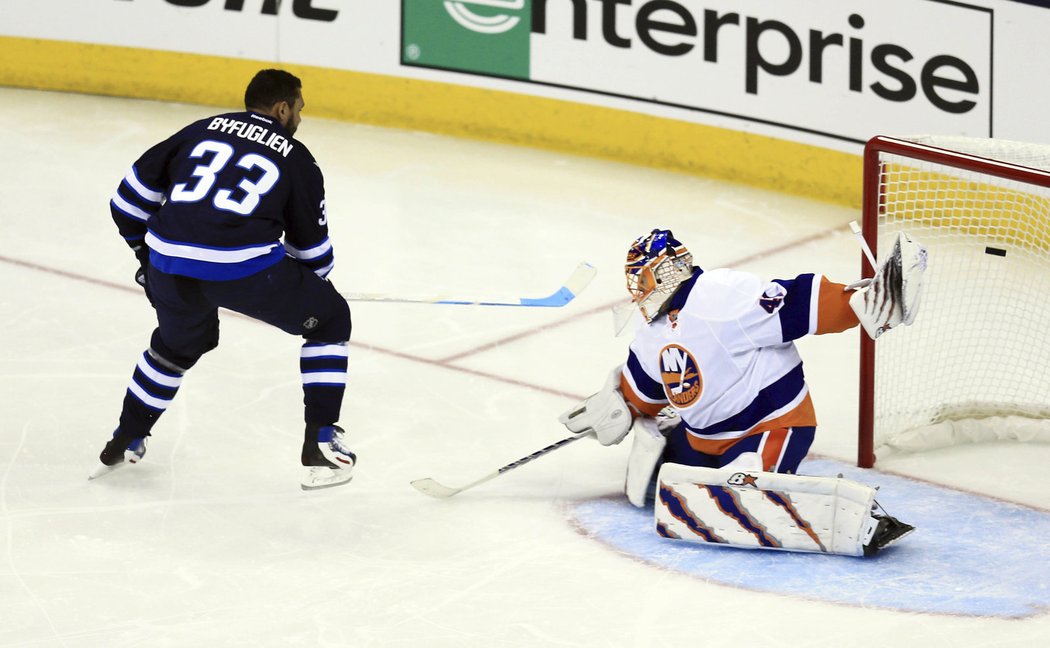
(444, 108)
(1012, 214)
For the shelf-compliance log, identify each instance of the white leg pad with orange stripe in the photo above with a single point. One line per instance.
(762, 510)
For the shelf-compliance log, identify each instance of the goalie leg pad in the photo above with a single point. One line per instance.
(746, 461)
(646, 451)
(762, 510)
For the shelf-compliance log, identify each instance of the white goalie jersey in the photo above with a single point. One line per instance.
(723, 357)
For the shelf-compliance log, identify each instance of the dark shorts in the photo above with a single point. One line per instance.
(287, 295)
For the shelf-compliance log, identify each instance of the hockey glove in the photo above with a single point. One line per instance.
(142, 274)
(892, 297)
(605, 413)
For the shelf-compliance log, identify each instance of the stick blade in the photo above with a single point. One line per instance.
(428, 486)
(579, 279)
(622, 315)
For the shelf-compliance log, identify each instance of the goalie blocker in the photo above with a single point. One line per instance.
(762, 510)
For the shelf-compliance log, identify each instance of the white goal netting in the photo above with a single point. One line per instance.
(975, 366)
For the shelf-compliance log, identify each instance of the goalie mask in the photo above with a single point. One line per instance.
(656, 265)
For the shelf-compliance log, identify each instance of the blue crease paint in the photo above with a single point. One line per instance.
(970, 555)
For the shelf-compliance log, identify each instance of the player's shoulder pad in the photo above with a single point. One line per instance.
(302, 155)
(724, 294)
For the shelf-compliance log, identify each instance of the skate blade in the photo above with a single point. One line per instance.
(321, 477)
(897, 537)
(102, 470)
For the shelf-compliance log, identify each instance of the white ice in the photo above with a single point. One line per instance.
(210, 542)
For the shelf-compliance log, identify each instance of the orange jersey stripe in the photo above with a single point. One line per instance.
(636, 403)
(773, 447)
(834, 314)
(714, 446)
(802, 416)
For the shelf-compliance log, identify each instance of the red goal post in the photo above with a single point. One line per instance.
(975, 366)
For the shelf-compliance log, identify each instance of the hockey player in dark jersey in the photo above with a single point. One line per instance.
(230, 212)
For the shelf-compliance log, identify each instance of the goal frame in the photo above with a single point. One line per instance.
(871, 207)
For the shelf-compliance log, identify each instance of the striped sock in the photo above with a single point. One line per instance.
(153, 386)
(323, 367)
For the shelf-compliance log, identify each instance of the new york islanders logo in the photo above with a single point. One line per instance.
(683, 382)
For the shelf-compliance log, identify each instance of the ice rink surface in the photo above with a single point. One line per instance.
(210, 541)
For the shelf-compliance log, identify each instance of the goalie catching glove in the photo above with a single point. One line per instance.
(605, 413)
(892, 297)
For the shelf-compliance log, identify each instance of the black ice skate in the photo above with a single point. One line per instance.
(328, 462)
(120, 451)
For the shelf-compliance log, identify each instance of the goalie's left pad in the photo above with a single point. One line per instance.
(604, 413)
(892, 297)
(647, 448)
(763, 510)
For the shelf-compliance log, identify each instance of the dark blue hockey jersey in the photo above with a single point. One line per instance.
(214, 200)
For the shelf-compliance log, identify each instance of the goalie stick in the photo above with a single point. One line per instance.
(428, 486)
(573, 286)
(855, 226)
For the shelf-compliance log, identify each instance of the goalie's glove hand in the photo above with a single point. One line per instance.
(892, 297)
(605, 414)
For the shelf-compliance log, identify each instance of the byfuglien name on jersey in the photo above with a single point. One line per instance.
(253, 132)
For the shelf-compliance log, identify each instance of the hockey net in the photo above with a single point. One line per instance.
(975, 366)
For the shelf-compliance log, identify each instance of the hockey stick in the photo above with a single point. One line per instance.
(855, 226)
(428, 486)
(622, 315)
(573, 286)
(865, 282)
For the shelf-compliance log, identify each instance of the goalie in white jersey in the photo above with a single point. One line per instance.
(714, 377)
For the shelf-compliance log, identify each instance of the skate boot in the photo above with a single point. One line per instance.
(328, 462)
(884, 530)
(120, 449)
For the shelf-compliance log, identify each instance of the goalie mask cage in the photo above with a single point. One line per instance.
(975, 365)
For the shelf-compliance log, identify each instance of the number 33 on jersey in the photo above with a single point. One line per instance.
(212, 201)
